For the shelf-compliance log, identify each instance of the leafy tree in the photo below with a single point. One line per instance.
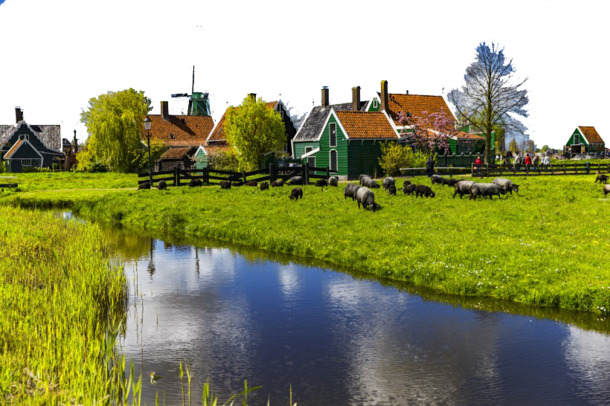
(512, 146)
(429, 132)
(254, 129)
(491, 94)
(139, 162)
(224, 160)
(395, 156)
(544, 148)
(115, 124)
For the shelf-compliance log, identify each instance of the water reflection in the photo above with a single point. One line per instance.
(339, 338)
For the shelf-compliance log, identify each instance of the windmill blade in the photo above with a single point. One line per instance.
(181, 95)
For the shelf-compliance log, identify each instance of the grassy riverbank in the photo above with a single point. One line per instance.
(60, 310)
(547, 245)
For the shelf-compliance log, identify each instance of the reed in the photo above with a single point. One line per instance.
(62, 306)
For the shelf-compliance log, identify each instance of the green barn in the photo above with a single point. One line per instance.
(583, 140)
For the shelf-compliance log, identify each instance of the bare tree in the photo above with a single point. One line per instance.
(491, 96)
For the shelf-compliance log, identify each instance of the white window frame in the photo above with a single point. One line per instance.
(26, 163)
(576, 139)
(375, 103)
(330, 160)
(330, 134)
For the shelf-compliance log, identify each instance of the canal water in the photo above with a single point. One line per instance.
(335, 338)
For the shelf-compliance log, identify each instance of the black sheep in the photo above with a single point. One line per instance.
(350, 191)
(144, 185)
(450, 182)
(195, 183)
(277, 183)
(423, 190)
(333, 181)
(392, 190)
(321, 182)
(602, 179)
(437, 179)
(264, 186)
(296, 193)
(366, 197)
(225, 184)
(162, 185)
(409, 189)
(295, 180)
(251, 183)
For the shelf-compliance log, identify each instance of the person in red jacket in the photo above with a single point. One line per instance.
(477, 164)
(527, 162)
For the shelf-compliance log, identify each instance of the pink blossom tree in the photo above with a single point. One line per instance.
(428, 132)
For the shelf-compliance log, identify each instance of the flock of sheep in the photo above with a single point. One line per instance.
(365, 197)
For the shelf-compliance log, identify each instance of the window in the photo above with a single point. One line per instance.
(308, 149)
(576, 141)
(333, 160)
(333, 135)
(375, 103)
(26, 162)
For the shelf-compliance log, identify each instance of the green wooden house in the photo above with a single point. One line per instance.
(344, 137)
(583, 140)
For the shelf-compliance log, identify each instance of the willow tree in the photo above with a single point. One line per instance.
(115, 125)
(254, 129)
(492, 95)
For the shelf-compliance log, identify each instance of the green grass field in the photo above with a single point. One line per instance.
(547, 245)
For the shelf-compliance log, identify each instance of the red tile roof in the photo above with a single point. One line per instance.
(468, 136)
(181, 131)
(366, 125)
(177, 153)
(212, 149)
(591, 135)
(417, 105)
(219, 132)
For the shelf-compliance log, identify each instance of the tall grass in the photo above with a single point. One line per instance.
(62, 306)
(546, 246)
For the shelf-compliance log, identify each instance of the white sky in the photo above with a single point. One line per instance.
(56, 55)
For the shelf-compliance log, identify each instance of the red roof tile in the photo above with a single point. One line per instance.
(366, 125)
(181, 131)
(591, 135)
(177, 153)
(417, 105)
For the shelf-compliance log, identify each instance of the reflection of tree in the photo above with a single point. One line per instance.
(151, 265)
(197, 262)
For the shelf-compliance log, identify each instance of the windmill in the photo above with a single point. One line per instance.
(199, 103)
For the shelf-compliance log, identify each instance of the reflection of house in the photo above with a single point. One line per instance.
(344, 137)
(25, 146)
(218, 138)
(585, 140)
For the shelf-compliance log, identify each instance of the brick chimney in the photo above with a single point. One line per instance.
(165, 110)
(324, 96)
(384, 95)
(252, 96)
(18, 114)
(356, 98)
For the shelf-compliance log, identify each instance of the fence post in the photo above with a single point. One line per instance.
(587, 167)
(271, 172)
(472, 170)
(327, 172)
(243, 176)
(176, 176)
(306, 173)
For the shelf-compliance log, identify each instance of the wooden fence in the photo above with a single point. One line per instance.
(182, 177)
(523, 170)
